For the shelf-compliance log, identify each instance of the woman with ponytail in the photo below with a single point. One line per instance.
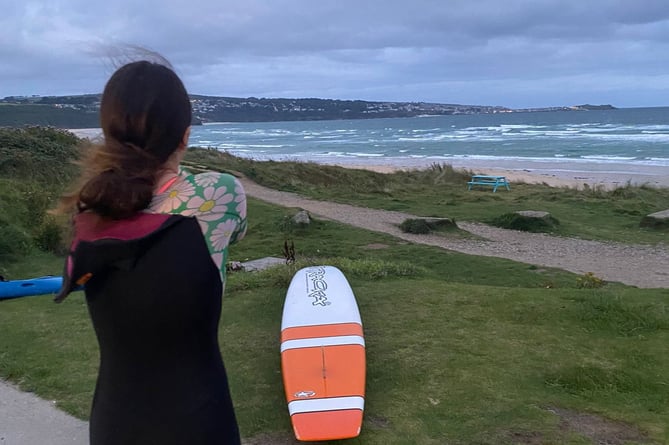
(150, 245)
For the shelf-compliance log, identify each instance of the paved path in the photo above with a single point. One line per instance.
(25, 419)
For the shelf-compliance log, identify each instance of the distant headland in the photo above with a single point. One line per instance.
(81, 111)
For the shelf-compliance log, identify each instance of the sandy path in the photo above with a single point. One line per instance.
(636, 265)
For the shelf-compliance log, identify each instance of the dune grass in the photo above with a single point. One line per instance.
(441, 191)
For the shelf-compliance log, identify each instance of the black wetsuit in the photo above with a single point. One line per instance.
(154, 296)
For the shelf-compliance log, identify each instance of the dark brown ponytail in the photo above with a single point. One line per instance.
(125, 184)
(144, 114)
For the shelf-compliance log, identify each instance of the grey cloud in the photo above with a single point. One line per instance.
(433, 50)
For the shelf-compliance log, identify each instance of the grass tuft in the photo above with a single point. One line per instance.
(514, 221)
(622, 317)
(592, 379)
(589, 281)
(281, 275)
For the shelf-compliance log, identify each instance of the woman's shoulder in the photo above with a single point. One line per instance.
(211, 179)
(215, 186)
(200, 193)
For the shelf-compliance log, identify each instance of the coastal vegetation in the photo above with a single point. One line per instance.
(461, 349)
(18, 115)
(35, 166)
(440, 191)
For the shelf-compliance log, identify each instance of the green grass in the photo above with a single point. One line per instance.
(460, 349)
(326, 239)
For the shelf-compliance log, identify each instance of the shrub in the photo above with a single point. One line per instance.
(514, 221)
(427, 225)
(417, 226)
(40, 154)
(14, 243)
(281, 275)
(49, 236)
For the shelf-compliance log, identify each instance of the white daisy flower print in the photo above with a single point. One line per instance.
(211, 205)
(220, 236)
(239, 192)
(241, 209)
(207, 179)
(173, 198)
(240, 199)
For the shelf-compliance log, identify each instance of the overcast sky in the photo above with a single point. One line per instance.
(515, 53)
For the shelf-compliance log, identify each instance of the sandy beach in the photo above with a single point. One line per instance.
(558, 173)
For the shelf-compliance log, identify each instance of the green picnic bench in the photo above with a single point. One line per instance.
(488, 181)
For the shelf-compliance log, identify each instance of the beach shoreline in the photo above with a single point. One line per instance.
(579, 175)
(562, 172)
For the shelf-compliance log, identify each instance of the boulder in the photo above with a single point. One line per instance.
(301, 218)
(261, 264)
(534, 214)
(657, 220)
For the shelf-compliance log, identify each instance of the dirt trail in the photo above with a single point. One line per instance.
(636, 265)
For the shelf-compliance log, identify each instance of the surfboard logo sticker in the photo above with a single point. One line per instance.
(316, 287)
(304, 394)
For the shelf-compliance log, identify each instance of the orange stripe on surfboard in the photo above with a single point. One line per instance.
(321, 330)
(342, 372)
(330, 425)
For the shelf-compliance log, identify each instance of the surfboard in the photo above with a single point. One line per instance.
(33, 286)
(323, 355)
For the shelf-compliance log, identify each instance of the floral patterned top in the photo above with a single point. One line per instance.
(218, 202)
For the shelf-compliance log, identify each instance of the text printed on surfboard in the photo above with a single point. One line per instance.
(316, 286)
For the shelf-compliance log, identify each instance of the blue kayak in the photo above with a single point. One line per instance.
(33, 286)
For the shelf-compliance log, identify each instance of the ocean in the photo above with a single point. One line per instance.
(623, 140)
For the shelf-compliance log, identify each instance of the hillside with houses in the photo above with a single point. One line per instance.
(81, 111)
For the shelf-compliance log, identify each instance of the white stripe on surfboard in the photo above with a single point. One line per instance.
(322, 341)
(330, 404)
